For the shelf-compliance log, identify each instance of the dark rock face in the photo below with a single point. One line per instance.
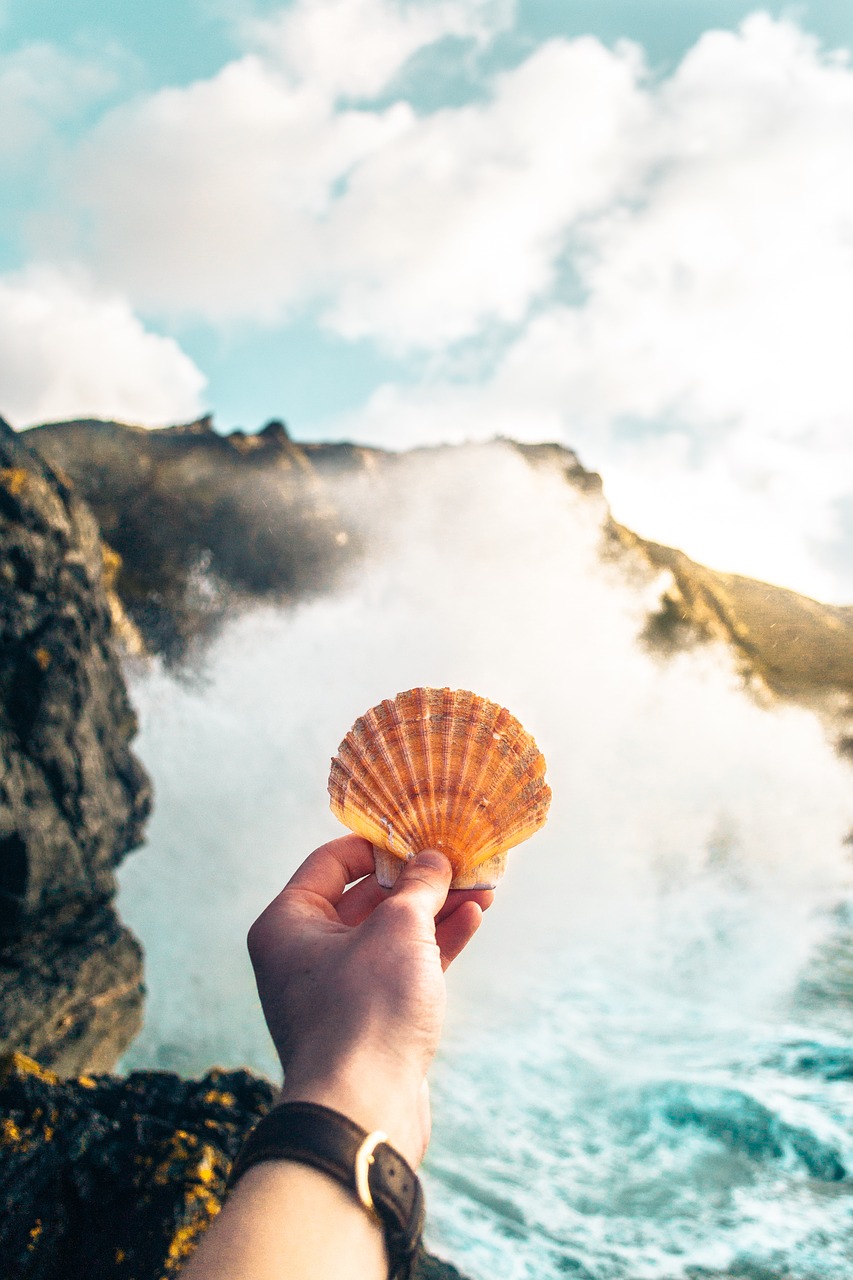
(201, 521)
(120, 1177)
(73, 798)
(73, 994)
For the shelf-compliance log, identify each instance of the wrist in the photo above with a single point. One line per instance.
(371, 1100)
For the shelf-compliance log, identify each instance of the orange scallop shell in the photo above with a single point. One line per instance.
(440, 769)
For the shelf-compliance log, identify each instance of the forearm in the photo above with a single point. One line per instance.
(286, 1221)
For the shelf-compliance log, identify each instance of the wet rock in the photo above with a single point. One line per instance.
(73, 994)
(73, 797)
(107, 1177)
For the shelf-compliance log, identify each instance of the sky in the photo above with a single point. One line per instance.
(626, 225)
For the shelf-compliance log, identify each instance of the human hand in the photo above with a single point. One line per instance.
(351, 983)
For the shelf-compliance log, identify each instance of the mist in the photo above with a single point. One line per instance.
(684, 884)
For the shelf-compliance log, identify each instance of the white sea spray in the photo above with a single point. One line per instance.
(654, 936)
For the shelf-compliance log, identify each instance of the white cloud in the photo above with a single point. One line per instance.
(68, 350)
(212, 199)
(706, 369)
(460, 220)
(706, 221)
(724, 292)
(253, 194)
(41, 87)
(744, 503)
(356, 47)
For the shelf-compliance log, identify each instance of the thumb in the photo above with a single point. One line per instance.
(425, 880)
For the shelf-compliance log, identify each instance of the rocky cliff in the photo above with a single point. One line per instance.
(102, 1176)
(203, 522)
(73, 797)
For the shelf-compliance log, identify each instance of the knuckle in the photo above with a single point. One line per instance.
(253, 938)
(257, 939)
(269, 926)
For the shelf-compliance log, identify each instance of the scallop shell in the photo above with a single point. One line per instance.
(440, 769)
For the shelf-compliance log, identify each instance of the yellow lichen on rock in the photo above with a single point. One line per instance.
(14, 479)
(124, 628)
(201, 1202)
(10, 1134)
(18, 1064)
(185, 1238)
(223, 1098)
(151, 1164)
(199, 1164)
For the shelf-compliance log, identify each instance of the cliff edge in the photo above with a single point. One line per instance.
(99, 1175)
(103, 1176)
(73, 797)
(204, 522)
(201, 522)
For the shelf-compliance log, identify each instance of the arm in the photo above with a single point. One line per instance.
(351, 983)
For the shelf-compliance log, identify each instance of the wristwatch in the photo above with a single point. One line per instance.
(365, 1163)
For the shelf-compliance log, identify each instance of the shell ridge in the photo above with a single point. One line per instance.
(377, 767)
(441, 773)
(383, 727)
(389, 726)
(470, 816)
(356, 794)
(526, 823)
(358, 819)
(385, 827)
(519, 766)
(450, 715)
(372, 730)
(518, 785)
(472, 812)
(504, 828)
(425, 723)
(411, 790)
(509, 840)
(465, 712)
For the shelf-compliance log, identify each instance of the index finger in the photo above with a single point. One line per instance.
(328, 870)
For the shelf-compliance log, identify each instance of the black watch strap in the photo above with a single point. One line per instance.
(334, 1144)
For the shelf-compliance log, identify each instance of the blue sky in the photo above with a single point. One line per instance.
(625, 225)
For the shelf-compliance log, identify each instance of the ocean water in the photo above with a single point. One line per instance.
(648, 1065)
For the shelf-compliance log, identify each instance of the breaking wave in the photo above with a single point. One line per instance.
(648, 1069)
